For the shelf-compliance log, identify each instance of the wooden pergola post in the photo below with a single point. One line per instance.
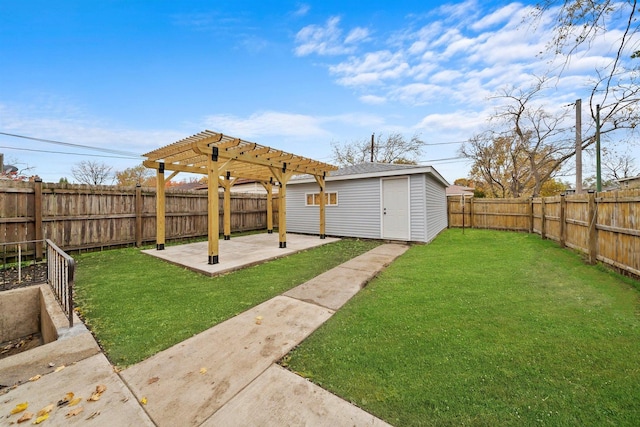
(282, 176)
(227, 184)
(160, 208)
(268, 186)
(321, 183)
(214, 206)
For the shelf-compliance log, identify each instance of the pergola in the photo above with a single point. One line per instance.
(224, 159)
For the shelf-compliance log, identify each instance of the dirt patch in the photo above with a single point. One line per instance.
(19, 345)
(11, 278)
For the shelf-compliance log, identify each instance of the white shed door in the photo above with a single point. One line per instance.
(395, 208)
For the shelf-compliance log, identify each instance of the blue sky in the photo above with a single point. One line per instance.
(137, 75)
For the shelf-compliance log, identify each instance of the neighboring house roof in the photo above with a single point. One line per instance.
(459, 190)
(629, 182)
(373, 170)
(631, 178)
(189, 186)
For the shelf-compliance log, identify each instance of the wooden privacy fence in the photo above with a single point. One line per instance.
(605, 226)
(85, 217)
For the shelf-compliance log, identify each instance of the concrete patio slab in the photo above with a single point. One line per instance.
(281, 398)
(116, 407)
(239, 252)
(187, 383)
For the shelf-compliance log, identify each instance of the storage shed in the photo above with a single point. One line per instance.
(372, 200)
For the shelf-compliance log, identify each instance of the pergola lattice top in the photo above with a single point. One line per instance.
(236, 157)
(217, 155)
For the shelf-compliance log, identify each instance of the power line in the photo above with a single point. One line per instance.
(69, 144)
(445, 159)
(64, 152)
(445, 143)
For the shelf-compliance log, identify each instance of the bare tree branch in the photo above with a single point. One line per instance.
(92, 173)
(392, 149)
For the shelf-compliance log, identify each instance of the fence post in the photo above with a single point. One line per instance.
(37, 215)
(530, 214)
(543, 224)
(593, 236)
(471, 212)
(563, 219)
(138, 209)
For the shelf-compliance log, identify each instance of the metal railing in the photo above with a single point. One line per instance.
(61, 269)
(25, 263)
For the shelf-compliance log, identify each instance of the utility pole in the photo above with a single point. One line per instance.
(578, 146)
(372, 146)
(598, 168)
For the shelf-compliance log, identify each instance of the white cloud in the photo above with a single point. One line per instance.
(356, 35)
(327, 39)
(463, 55)
(373, 68)
(64, 122)
(419, 93)
(302, 10)
(503, 14)
(461, 120)
(267, 123)
(60, 120)
(373, 99)
(446, 76)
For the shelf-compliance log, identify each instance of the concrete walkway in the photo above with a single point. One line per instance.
(224, 376)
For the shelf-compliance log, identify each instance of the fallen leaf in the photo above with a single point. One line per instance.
(153, 380)
(143, 400)
(203, 370)
(25, 417)
(98, 393)
(41, 418)
(75, 401)
(75, 412)
(51, 364)
(258, 320)
(66, 399)
(95, 414)
(45, 410)
(59, 368)
(20, 407)
(35, 377)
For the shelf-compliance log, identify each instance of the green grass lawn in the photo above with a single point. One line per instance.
(137, 305)
(485, 328)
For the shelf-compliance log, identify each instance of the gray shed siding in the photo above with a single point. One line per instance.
(417, 208)
(436, 208)
(358, 213)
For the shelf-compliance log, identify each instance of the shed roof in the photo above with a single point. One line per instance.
(374, 170)
(237, 157)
